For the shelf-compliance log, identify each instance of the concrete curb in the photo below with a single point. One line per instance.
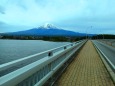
(111, 72)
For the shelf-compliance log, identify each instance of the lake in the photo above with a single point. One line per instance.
(15, 49)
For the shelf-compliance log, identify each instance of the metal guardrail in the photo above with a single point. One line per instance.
(35, 56)
(39, 71)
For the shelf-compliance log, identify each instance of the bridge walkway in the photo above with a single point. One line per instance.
(87, 69)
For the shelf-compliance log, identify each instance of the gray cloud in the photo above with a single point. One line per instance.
(2, 10)
(74, 15)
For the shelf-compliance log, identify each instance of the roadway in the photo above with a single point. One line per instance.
(109, 41)
(108, 50)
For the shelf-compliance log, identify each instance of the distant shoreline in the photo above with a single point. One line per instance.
(44, 38)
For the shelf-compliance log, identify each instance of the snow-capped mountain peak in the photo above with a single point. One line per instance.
(48, 26)
(47, 30)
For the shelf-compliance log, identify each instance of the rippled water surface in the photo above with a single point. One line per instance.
(15, 49)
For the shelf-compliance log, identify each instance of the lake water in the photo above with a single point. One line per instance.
(15, 49)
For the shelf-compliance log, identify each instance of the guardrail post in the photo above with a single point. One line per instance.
(65, 47)
(50, 54)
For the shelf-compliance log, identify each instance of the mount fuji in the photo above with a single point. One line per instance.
(47, 30)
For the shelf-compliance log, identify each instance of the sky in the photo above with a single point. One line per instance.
(84, 16)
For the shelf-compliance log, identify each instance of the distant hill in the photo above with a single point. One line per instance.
(47, 30)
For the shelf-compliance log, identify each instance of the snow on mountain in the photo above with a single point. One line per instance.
(48, 26)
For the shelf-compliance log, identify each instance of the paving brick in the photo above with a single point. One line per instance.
(87, 69)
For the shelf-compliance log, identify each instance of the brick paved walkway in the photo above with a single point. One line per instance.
(86, 70)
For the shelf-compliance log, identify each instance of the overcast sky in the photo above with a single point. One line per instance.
(91, 16)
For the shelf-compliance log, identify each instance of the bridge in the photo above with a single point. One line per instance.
(82, 63)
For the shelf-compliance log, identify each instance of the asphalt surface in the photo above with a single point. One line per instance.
(109, 41)
(109, 51)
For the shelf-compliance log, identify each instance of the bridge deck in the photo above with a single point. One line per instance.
(86, 70)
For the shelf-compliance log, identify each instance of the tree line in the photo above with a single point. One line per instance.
(57, 38)
(46, 38)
